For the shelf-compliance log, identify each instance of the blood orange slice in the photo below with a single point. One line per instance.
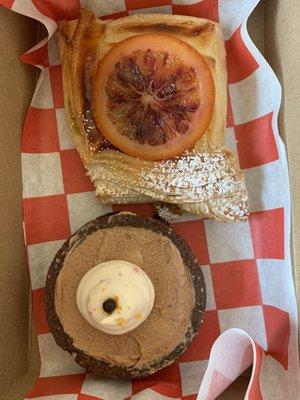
(153, 96)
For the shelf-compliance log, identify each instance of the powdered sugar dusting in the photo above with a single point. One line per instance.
(210, 178)
(199, 176)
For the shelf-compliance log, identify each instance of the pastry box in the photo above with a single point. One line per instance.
(273, 28)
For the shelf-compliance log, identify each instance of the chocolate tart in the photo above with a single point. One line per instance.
(178, 308)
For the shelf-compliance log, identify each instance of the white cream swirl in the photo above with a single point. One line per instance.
(125, 283)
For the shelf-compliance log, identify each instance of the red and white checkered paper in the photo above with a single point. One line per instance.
(247, 267)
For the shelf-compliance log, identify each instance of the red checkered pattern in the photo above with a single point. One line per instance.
(240, 62)
(7, 3)
(41, 324)
(236, 284)
(74, 174)
(38, 137)
(267, 229)
(278, 333)
(56, 385)
(205, 9)
(258, 135)
(233, 255)
(158, 381)
(37, 57)
(194, 234)
(58, 10)
(132, 5)
(56, 86)
(209, 332)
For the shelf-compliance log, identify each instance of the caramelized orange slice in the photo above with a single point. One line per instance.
(153, 96)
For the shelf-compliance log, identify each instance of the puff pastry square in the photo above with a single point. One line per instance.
(206, 182)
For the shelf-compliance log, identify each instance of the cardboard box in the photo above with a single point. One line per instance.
(275, 30)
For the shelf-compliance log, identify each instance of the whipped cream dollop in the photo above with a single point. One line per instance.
(115, 296)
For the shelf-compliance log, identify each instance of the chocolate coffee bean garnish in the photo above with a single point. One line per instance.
(109, 306)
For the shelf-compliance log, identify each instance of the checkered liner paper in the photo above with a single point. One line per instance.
(251, 314)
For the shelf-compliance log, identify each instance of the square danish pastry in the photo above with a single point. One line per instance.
(146, 101)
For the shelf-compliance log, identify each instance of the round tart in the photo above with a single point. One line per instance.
(125, 296)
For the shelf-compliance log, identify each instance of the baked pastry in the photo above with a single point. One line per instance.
(146, 100)
(120, 312)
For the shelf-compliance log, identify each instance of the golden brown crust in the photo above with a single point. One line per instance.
(78, 42)
(205, 37)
